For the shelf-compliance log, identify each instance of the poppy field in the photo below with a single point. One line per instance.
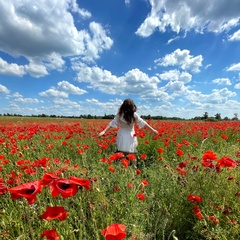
(60, 180)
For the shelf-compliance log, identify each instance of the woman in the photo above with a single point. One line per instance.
(125, 118)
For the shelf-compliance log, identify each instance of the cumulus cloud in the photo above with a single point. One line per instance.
(56, 37)
(27, 100)
(132, 82)
(235, 36)
(62, 90)
(11, 68)
(234, 67)
(182, 59)
(237, 86)
(4, 89)
(175, 75)
(67, 87)
(222, 81)
(217, 96)
(215, 16)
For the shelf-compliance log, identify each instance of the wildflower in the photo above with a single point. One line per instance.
(112, 169)
(50, 234)
(114, 232)
(125, 163)
(57, 212)
(138, 172)
(3, 189)
(213, 219)
(65, 187)
(207, 159)
(81, 182)
(27, 190)
(160, 150)
(144, 182)
(143, 156)
(131, 156)
(48, 178)
(140, 196)
(179, 152)
(197, 212)
(193, 198)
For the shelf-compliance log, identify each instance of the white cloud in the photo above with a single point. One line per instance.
(27, 100)
(175, 75)
(217, 96)
(4, 90)
(222, 81)
(215, 16)
(235, 36)
(132, 82)
(11, 68)
(237, 86)
(45, 32)
(53, 93)
(234, 67)
(181, 58)
(67, 87)
(62, 90)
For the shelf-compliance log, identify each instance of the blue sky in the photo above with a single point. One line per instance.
(72, 57)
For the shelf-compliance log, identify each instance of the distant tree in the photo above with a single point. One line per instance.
(235, 116)
(205, 115)
(218, 116)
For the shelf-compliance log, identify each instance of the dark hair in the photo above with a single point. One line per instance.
(127, 110)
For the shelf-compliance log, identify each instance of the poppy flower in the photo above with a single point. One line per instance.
(131, 156)
(27, 190)
(193, 198)
(140, 196)
(144, 182)
(57, 212)
(226, 162)
(197, 212)
(125, 163)
(112, 169)
(213, 219)
(50, 234)
(65, 187)
(81, 182)
(114, 232)
(48, 178)
(3, 189)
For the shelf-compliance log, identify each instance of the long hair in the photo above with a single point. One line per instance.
(127, 110)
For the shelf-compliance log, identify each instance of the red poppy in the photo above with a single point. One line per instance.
(193, 198)
(81, 182)
(112, 169)
(125, 163)
(48, 178)
(116, 156)
(140, 196)
(144, 182)
(65, 187)
(197, 212)
(57, 212)
(27, 190)
(114, 232)
(179, 152)
(213, 219)
(131, 156)
(138, 171)
(3, 189)
(143, 156)
(226, 162)
(50, 234)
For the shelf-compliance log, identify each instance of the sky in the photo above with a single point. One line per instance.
(174, 58)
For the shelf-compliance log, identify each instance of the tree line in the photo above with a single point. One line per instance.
(204, 117)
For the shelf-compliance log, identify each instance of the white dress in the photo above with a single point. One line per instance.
(126, 139)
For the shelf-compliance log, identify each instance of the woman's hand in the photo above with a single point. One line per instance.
(101, 133)
(155, 132)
